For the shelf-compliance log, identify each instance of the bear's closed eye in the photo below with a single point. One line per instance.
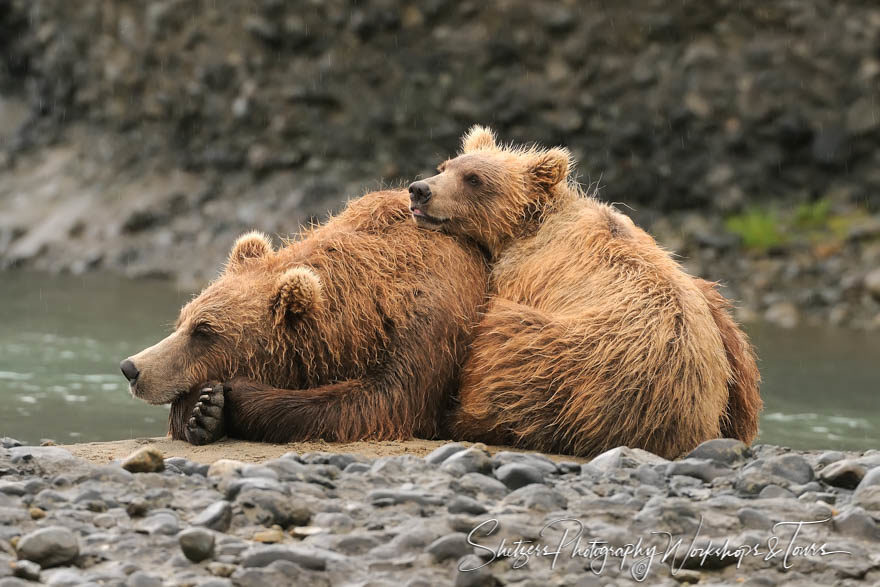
(203, 330)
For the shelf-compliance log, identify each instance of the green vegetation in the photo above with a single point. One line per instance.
(813, 223)
(813, 215)
(759, 228)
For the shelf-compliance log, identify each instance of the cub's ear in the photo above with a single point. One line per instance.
(478, 138)
(299, 291)
(248, 246)
(550, 167)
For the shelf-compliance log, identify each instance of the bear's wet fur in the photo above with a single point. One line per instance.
(357, 330)
(594, 337)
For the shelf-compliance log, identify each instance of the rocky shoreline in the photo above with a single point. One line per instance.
(761, 516)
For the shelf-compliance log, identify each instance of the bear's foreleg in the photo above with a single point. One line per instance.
(351, 410)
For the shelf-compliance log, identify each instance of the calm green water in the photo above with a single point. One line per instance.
(62, 337)
(61, 340)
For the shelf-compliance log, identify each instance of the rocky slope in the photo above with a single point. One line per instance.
(142, 137)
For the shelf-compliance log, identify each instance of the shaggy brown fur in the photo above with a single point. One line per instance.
(355, 331)
(595, 337)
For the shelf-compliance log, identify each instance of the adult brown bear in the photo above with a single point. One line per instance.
(355, 331)
(594, 337)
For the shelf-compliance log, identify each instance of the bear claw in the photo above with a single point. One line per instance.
(206, 424)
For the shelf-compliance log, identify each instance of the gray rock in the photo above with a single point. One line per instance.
(335, 521)
(816, 496)
(236, 485)
(111, 473)
(197, 544)
(648, 475)
(794, 468)
(49, 547)
(872, 283)
(51, 457)
(751, 481)
(307, 558)
(534, 460)
(216, 516)
(472, 571)
(516, 475)
(462, 504)
(450, 546)
(25, 569)
(185, 466)
(287, 469)
(870, 479)
(846, 473)
(478, 483)
(565, 467)
(161, 522)
(703, 469)
(773, 491)
(537, 497)
(855, 522)
(143, 579)
(868, 497)
(727, 451)
(399, 466)
(754, 519)
(471, 460)
(270, 507)
(440, 454)
(7, 442)
(385, 497)
(354, 543)
(251, 471)
(625, 457)
(831, 456)
(280, 572)
(16, 488)
(357, 468)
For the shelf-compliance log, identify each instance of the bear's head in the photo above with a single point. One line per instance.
(490, 192)
(233, 328)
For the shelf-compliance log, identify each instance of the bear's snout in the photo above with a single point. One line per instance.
(419, 193)
(129, 370)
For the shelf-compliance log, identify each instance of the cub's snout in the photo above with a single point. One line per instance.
(419, 193)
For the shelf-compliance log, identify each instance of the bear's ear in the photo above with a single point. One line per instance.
(548, 168)
(248, 246)
(478, 138)
(299, 291)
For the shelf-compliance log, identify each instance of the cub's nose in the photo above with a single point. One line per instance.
(419, 192)
(129, 370)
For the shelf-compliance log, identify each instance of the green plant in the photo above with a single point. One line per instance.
(758, 228)
(813, 215)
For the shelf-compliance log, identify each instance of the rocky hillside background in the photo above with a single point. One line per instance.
(143, 136)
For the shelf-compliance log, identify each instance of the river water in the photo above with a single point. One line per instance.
(62, 337)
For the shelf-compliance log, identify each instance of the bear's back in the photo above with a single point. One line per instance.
(384, 280)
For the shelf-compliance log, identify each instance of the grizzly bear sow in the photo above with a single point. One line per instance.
(356, 331)
(594, 336)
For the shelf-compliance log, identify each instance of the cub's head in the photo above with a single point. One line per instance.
(490, 192)
(235, 327)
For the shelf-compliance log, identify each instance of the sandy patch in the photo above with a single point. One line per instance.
(254, 452)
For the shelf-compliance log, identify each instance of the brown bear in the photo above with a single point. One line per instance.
(594, 337)
(355, 331)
